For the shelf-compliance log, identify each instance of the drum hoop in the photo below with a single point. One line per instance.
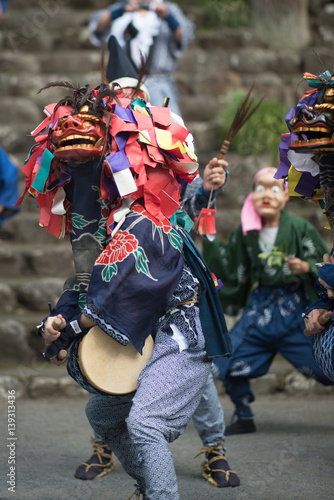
(127, 353)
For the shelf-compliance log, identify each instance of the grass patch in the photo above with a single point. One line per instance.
(226, 13)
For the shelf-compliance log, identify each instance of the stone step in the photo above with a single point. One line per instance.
(21, 5)
(76, 5)
(24, 228)
(30, 260)
(21, 347)
(81, 62)
(38, 31)
(22, 295)
(40, 379)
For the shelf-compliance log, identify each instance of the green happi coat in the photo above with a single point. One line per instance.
(242, 266)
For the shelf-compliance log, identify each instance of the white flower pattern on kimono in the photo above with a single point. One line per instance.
(222, 252)
(240, 369)
(271, 271)
(308, 247)
(286, 269)
(242, 273)
(265, 319)
(285, 309)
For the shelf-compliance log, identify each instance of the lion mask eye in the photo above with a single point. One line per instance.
(88, 123)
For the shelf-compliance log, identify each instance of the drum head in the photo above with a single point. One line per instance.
(109, 366)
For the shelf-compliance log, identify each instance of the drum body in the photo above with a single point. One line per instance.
(110, 366)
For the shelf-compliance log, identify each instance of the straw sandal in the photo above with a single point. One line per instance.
(99, 464)
(215, 469)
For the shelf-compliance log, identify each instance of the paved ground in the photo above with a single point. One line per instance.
(290, 457)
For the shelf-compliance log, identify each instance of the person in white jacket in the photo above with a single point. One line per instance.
(157, 31)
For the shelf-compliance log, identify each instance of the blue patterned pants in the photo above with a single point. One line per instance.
(209, 416)
(272, 323)
(323, 350)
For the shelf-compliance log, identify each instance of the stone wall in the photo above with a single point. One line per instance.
(44, 40)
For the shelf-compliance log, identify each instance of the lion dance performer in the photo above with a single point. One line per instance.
(307, 160)
(107, 170)
(209, 416)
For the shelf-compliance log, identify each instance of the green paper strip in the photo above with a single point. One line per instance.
(182, 219)
(43, 171)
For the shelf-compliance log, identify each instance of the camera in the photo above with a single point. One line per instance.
(144, 5)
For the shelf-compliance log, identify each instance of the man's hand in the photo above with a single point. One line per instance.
(328, 259)
(82, 322)
(214, 175)
(161, 10)
(57, 360)
(315, 321)
(298, 266)
(132, 6)
(323, 283)
(49, 332)
(109, 15)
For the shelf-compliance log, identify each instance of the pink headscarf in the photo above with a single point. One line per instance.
(250, 219)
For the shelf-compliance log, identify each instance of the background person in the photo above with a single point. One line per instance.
(9, 178)
(268, 269)
(158, 31)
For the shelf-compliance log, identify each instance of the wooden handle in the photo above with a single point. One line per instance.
(56, 323)
(62, 354)
(323, 320)
(166, 102)
(224, 148)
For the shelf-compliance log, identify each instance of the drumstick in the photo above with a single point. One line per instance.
(62, 354)
(323, 320)
(330, 291)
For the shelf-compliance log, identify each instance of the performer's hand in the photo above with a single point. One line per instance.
(330, 289)
(311, 320)
(323, 283)
(328, 260)
(58, 361)
(86, 322)
(214, 175)
(298, 266)
(49, 333)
